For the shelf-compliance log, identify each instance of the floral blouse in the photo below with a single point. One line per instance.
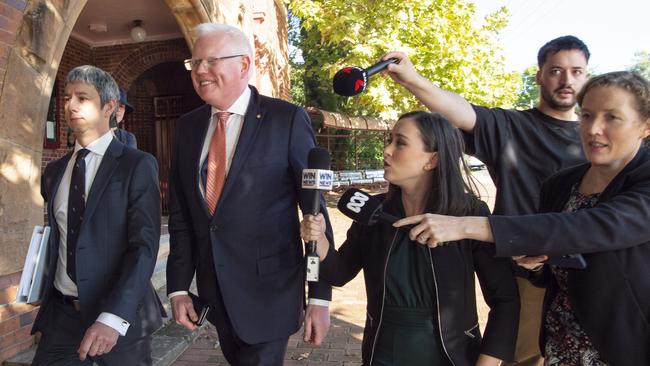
(567, 343)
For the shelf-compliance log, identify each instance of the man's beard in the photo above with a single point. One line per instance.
(555, 104)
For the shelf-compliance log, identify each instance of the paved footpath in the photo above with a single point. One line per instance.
(342, 346)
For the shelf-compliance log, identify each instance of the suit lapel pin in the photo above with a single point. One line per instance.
(259, 116)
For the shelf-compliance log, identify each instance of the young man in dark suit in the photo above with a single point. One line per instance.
(235, 185)
(103, 206)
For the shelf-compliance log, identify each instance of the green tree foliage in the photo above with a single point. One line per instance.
(642, 63)
(296, 66)
(440, 36)
(529, 92)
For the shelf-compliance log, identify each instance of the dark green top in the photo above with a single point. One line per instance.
(409, 333)
(409, 277)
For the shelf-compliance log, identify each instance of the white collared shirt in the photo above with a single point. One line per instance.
(234, 125)
(60, 205)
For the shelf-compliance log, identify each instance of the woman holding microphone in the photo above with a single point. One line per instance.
(422, 302)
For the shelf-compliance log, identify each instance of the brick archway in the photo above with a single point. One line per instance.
(145, 58)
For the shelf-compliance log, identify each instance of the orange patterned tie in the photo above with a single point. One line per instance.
(216, 163)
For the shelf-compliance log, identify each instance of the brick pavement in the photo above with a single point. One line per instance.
(342, 347)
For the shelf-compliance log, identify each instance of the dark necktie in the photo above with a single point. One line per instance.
(76, 207)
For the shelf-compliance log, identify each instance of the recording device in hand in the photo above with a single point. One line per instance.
(574, 261)
(363, 208)
(201, 308)
(353, 80)
(316, 177)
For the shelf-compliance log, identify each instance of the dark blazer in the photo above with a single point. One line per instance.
(126, 137)
(251, 248)
(611, 297)
(367, 248)
(118, 240)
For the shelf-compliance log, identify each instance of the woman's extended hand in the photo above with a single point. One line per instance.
(312, 228)
(434, 230)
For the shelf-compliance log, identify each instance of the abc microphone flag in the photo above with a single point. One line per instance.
(363, 208)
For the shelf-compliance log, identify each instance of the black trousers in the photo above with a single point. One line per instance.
(238, 352)
(62, 335)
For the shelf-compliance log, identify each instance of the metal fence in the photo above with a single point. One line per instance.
(353, 149)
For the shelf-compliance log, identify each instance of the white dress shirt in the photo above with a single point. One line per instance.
(61, 279)
(233, 130)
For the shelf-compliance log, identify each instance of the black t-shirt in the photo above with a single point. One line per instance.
(521, 149)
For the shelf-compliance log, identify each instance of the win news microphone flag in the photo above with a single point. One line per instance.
(316, 177)
(353, 80)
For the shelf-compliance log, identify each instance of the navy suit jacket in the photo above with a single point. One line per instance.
(126, 137)
(251, 248)
(118, 240)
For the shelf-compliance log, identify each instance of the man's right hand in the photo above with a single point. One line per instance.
(183, 311)
(460, 113)
(403, 71)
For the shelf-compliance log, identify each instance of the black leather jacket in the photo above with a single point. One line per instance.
(367, 248)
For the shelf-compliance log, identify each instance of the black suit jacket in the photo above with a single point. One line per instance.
(611, 297)
(118, 240)
(251, 248)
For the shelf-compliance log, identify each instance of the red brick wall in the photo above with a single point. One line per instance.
(15, 319)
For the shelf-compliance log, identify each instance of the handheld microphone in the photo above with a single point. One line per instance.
(353, 80)
(316, 177)
(363, 208)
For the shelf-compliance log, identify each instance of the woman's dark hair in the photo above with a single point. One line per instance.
(453, 191)
(634, 83)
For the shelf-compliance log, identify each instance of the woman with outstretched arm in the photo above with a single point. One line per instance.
(598, 315)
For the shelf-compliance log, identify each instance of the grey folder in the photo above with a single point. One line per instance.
(31, 281)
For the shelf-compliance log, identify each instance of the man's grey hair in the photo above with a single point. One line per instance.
(100, 79)
(236, 37)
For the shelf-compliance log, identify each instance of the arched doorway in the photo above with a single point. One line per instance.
(164, 92)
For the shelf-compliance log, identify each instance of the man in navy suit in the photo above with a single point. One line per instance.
(243, 242)
(103, 206)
